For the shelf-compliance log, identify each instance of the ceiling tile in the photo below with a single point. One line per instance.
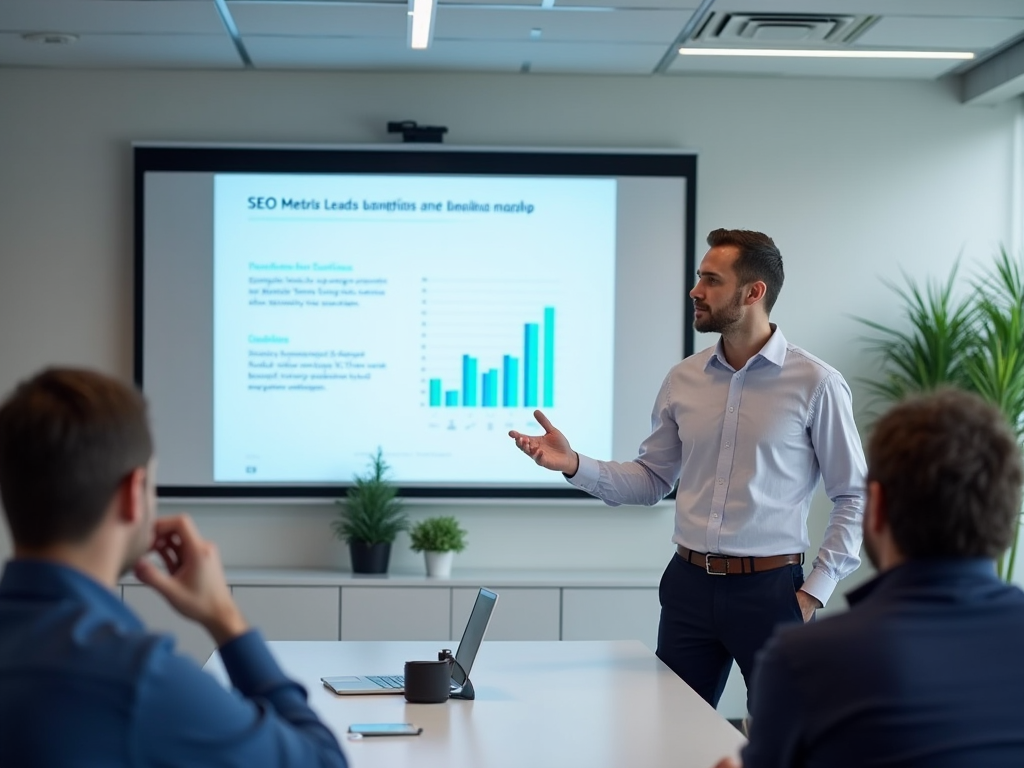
(124, 51)
(954, 8)
(611, 27)
(196, 17)
(935, 33)
(493, 3)
(446, 55)
(321, 20)
(683, 6)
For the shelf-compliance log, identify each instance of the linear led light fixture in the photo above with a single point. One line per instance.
(421, 23)
(826, 53)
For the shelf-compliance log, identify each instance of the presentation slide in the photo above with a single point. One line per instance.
(298, 308)
(425, 315)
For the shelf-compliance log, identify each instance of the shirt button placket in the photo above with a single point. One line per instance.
(730, 425)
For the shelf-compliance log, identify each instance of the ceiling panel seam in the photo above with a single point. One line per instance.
(673, 51)
(232, 29)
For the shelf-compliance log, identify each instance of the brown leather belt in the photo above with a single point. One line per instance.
(725, 565)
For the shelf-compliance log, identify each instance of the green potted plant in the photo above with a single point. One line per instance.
(975, 342)
(370, 517)
(438, 538)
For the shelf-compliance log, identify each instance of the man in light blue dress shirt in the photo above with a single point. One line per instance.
(747, 427)
(81, 680)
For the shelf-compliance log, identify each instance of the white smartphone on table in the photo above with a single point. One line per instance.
(385, 729)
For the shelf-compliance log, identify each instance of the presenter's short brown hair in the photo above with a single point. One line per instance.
(759, 259)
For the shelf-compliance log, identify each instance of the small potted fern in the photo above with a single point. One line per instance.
(438, 538)
(370, 518)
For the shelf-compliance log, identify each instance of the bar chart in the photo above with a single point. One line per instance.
(522, 378)
(432, 335)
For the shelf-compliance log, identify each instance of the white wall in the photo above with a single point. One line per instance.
(854, 180)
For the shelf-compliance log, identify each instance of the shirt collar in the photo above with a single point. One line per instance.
(773, 351)
(927, 572)
(46, 580)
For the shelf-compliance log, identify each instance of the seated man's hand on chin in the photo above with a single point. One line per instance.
(194, 583)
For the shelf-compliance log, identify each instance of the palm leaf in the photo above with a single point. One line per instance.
(930, 353)
(975, 343)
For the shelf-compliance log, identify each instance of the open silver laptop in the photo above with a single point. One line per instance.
(465, 656)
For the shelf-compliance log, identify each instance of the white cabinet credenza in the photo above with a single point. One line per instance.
(332, 605)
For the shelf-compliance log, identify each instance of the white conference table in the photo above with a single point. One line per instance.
(593, 704)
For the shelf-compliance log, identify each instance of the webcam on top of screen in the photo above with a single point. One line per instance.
(421, 134)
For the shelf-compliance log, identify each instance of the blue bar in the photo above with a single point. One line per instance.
(468, 380)
(531, 331)
(451, 398)
(549, 357)
(510, 398)
(435, 393)
(490, 387)
(485, 386)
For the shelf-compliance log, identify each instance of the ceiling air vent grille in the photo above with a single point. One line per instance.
(790, 29)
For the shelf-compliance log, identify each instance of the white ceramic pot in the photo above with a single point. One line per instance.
(439, 564)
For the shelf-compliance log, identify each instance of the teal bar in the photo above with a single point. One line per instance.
(495, 378)
(510, 396)
(451, 398)
(490, 387)
(468, 380)
(435, 393)
(530, 372)
(485, 389)
(549, 357)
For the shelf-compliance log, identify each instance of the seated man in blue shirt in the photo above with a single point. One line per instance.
(81, 681)
(926, 667)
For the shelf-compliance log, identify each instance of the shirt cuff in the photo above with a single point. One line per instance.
(819, 585)
(249, 664)
(587, 474)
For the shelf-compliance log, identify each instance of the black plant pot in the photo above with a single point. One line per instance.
(369, 558)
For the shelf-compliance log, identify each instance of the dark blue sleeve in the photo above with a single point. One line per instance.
(183, 716)
(776, 712)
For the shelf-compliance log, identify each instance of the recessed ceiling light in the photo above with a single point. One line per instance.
(50, 38)
(826, 53)
(421, 23)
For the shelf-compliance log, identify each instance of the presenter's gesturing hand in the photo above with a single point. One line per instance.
(550, 450)
(194, 583)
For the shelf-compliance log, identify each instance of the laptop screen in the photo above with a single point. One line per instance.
(474, 634)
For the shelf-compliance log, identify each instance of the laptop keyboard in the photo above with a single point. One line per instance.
(387, 681)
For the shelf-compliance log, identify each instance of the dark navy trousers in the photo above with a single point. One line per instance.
(707, 621)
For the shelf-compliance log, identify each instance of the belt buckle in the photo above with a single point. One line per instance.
(707, 564)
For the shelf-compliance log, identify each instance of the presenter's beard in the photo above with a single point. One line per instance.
(718, 320)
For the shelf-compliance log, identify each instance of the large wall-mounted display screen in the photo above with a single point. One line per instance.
(299, 308)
